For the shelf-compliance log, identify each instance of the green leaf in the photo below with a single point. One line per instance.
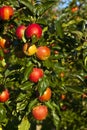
(49, 105)
(21, 105)
(59, 29)
(42, 85)
(26, 85)
(7, 72)
(28, 5)
(24, 125)
(56, 120)
(42, 21)
(56, 107)
(27, 72)
(74, 83)
(80, 78)
(68, 23)
(1, 75)
(77, 33)
(48, 63)
(14, 3)
(44, 7)
(1, 52)
(32, 104)
(54, 112)
(2, 113)
(21, 97)
(75, 89)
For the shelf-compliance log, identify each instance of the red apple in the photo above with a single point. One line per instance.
(20, 31)
(4, 96)
(6, 12)
(40, 112)
(36, 74)
(33, 30)
(46, 95)
(43, 52)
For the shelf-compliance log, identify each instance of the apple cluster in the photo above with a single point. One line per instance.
(39, 112)
(33, 30)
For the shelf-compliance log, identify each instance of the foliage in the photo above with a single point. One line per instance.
(65, 33)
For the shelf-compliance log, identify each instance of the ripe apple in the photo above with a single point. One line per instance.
(6, 12)
(46, 95)
(36, 74)
(43, 52)
(74, 9)
(2, 42)
(4, 96)
(20, 31)
(33, 30)
(29, 49)
(40, 112)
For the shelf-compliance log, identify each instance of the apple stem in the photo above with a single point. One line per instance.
(38, 127)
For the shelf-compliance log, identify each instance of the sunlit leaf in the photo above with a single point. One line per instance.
(28, 5)
(2, 113)
(24, 125)
(44, 7)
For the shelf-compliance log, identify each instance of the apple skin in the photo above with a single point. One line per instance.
(40, 112)
(29, 49)
(20, 31)
(43, 52)
(4, 96)
(46, 95)
(6, 12)
(33, 30)
(36, 74)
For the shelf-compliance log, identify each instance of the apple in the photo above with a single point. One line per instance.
(6, 12)
(46, 95)
(4, 96)
(20, 31)
(43, 52)
(40, 112)
(36, 74)
(29, 49)
(33, 30)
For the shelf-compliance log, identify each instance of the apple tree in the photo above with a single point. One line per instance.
(43, 65)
